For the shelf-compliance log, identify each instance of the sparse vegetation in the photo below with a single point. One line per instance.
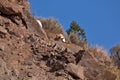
(52, 25)
(99, 52)
(74, 38)
(76, 34)
(113, 69)
(115, 55)
(104, 60)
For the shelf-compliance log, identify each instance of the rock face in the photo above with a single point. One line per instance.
(18, 12)
(93, 69)
(27, 54)
(75, 71)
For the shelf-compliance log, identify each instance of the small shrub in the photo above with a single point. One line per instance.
(115, 55)
(52, 25)
(100, 53)
(74, 38)
(77, 34)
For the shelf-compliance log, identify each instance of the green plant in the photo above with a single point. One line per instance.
(76, 34)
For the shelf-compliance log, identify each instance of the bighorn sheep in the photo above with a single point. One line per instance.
(39, 22)
(60, 37)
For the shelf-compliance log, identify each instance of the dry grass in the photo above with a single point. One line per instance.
(99, 52)
(115, 55)
(52, 25)
(113, 69)
(74, 38)
(101, 55)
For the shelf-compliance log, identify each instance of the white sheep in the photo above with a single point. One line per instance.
(60, 36)
(39, 22)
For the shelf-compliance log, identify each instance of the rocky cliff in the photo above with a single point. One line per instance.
(27, 54)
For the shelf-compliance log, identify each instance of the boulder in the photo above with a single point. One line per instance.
(3, 31)
(4, 72)
(106, 75)
(93, 69)
(11, 10)
(2, 47)
(77, 72)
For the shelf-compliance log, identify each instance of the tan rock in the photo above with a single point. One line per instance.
(75, 71)
(21, 10)
(93, 69)
(3, 31)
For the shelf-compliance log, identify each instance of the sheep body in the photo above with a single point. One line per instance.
(39, 22)
(61, 37)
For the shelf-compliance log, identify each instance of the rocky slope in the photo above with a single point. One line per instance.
(27, 54)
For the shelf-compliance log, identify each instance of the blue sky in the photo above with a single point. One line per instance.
(99, 18)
